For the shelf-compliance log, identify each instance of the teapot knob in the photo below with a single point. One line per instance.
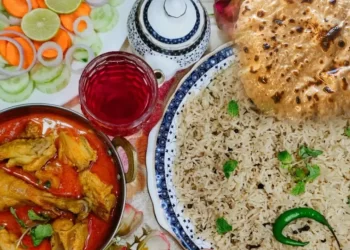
(175, 8)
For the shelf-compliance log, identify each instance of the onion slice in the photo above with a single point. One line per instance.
(71, 50)
(50, 63)
(14, 20)
(88, 31)
(6, 73)
(17, 34)
(30, 7)
(96, 3)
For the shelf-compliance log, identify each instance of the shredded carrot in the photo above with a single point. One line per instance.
(17, 8)
(67, 20)
(62, 39)
(12, 54)
(41, 4)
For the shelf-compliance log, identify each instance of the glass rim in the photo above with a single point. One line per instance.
(143, 64)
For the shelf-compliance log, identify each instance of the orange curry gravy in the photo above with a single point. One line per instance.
(69, 186)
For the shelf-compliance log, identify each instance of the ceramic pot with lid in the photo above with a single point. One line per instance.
(171, 35)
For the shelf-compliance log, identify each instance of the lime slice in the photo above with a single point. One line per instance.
(40, 24)
(63, 6)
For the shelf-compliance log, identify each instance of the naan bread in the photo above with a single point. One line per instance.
(295, 56)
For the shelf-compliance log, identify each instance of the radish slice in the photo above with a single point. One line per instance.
(50, 63)
(97, 3)
(71, 50)
(19, 72)
(6, 73)
(14, 20)
(88, 31)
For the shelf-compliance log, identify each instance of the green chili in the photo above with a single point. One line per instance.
(287, 217)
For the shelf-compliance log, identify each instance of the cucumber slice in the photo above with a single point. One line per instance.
(16, 84)
(3, 25)
(81, 55)
(25, 94)
(102, 16)
(56, 84)
(93, 41)
(42, 74)
(112, 24)
(115, 3)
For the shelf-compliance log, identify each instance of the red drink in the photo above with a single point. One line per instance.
(118, 92)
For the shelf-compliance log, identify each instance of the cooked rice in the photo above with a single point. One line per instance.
(208, 137)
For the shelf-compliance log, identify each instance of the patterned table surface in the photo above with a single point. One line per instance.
(138, 195)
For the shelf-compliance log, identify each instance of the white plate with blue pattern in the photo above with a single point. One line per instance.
(161, 150)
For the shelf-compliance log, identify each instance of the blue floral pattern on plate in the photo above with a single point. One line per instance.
(166, 147)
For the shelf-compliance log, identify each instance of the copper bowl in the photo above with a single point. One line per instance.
(111, 145)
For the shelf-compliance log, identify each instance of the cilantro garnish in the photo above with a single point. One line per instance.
(35, 217)
(305, 152)
(19, 221)
(233, 108)
(298, 189)
(222, 226)
(40, 232)
(229, 167)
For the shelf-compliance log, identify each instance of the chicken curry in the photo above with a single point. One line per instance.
(58, 185)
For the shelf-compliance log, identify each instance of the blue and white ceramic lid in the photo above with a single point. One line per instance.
(172, 24)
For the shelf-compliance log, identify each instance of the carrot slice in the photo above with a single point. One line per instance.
(17, 8)
(62, 39)
(14, 28)
(3, 44)
(67, 20)
(35, 4)
(41, 4)
(12, 54)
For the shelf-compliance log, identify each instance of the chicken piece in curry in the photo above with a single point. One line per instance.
(58, 186)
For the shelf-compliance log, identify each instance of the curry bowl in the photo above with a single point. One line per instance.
(58, 173)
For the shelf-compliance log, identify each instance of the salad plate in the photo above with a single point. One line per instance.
(161, 150)
(112, 41)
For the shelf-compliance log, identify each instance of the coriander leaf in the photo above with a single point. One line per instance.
(2, 227)
(233, 108)
(285, 157)
(40, 232)
(298, 189)
(47, 184)
(34, 216)
(222, 226)
(347, 131)
(305, 152)
(314, 172)
(285, 166)
(19, 221)
(299, 174)
(229, 167)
